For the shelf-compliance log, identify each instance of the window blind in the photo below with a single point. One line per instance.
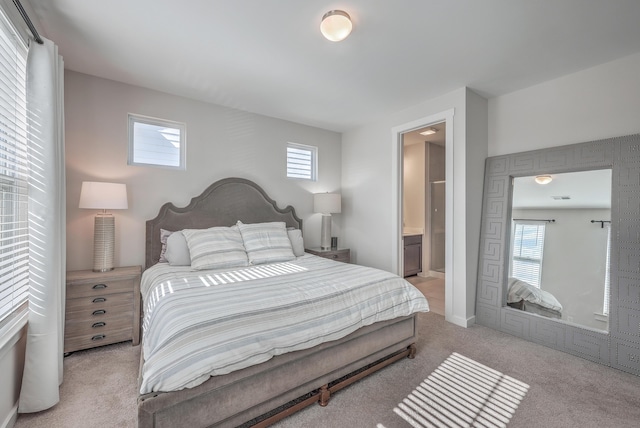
(14, 236)
(301, 161)
(528, 245)
(607, 274)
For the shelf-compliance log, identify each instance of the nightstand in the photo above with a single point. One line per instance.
(102, 308)
(339, 255)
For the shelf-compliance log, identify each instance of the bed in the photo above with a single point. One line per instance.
(273, 386)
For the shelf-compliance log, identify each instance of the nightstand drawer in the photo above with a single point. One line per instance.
(98, 324)
(339, 257)
(94, 339)
(97, 288)
(103, 301)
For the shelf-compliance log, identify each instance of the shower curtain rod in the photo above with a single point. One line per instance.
(24, 15)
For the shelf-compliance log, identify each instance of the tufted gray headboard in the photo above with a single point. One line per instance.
(222, 204)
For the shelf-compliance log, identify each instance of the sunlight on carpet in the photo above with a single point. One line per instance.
(462, 393)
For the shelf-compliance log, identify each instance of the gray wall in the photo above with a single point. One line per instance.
(221, 142)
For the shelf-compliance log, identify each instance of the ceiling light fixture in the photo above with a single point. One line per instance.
(336, 25)
(543, 179)
(429, 131)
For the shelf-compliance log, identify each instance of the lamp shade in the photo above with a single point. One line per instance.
(103, 196)
(327, 203)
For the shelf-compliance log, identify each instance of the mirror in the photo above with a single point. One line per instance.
(619, 346)
(558, 257)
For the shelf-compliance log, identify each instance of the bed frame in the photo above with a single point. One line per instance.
(262, 394)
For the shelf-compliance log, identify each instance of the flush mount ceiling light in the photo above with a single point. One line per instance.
(429, 131)
(336, 25)
(543, 179)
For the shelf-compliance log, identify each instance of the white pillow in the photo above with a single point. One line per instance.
(266, 242)
(297, 243)
(216, 247)
(177, 252)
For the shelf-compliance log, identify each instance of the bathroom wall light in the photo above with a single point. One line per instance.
(543, 179)
(336, 25)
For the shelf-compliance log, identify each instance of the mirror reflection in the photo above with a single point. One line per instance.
(559, 255)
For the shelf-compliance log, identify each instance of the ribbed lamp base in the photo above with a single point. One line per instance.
(325, 237)
(104, 233)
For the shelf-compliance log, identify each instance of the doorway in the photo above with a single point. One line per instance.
(423, 208)
(398, 133)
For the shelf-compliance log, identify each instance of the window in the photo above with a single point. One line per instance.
(156, 142)
(607, 274)
(302, 161)
(528, 245)
(14, 235)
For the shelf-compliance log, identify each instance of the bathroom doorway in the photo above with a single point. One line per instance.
(423, 211)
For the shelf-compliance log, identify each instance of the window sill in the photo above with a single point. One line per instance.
(601, 317)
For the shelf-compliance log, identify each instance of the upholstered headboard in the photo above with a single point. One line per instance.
(221, 204)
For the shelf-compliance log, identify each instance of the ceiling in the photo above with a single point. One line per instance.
(584, 189)
(268, 57)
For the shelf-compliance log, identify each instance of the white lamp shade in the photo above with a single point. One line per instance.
(103, 196)
(327, 203)
(336, 25)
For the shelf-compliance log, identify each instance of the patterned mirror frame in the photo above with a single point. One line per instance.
(620, 348)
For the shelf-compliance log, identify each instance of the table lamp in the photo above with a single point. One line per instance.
(103, 196)
(327, 204)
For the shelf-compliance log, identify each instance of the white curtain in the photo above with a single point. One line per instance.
(47, 229)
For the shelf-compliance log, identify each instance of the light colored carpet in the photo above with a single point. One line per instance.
(564, 391)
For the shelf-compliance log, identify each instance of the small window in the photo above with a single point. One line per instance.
(156, 142)
(528, 245)
(302, 161)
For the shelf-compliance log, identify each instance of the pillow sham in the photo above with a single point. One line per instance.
(177, 253)
(297, 243)
(266, 242)
(164, 234)
(216, 247)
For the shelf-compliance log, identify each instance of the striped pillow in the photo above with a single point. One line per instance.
(216, 247)
(266, 242)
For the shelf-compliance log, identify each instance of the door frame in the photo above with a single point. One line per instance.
(397, 194)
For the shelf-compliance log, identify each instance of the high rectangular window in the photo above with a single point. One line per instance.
(156, 142)
(14, 171)
(302, 161)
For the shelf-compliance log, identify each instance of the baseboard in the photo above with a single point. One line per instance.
(462, 322)
(11, 418)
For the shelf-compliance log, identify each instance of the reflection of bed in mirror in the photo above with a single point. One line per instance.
(526, 297)
(617, 344)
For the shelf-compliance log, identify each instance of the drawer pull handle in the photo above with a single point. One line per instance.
(98, 337)
(99, 300)
(99, 286)
(99, 312)
(98, 324)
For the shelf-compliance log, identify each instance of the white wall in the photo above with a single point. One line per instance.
(368, 189)
(221, 142)
(414, 185)
(600, 102)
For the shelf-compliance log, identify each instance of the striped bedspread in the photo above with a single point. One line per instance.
(199, 324)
